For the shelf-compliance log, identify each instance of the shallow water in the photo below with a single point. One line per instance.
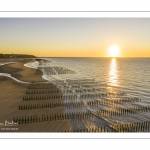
(130, 74)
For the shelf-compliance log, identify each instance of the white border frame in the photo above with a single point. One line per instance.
(59, 14)
(73, 14)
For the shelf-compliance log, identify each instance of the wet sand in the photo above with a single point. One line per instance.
(39, 106)
(19, 71)
(11, 96)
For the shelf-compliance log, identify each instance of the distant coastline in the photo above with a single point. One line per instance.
(4, 56)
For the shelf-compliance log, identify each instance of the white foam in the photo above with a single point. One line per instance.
(1, 64)
(34, 65)
(9, 75)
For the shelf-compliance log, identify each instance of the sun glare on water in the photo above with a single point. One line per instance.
(114, 51)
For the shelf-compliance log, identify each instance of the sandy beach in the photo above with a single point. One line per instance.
(11, 96)
(19, 71)
(30, 103)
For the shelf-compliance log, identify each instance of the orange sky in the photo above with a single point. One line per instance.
(75, 37)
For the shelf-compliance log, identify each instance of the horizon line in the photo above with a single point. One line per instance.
(91, 57)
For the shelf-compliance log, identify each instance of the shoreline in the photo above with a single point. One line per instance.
(12, 93)
(20, 72)
(78, 105)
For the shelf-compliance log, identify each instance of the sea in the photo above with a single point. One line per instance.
(127, 75)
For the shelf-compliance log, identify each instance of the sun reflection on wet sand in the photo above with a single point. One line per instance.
(113, 72)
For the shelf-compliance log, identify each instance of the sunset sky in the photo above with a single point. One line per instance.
(75, 37)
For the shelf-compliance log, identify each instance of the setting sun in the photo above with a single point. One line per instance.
(114, 51)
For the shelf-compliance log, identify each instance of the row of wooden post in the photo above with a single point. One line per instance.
(97, 95)
(90, 129)
(53, 117)
(41, 87)
(110, 102)
(41, 83)
(80, 80)
(62, 70)
(132, 127)
(43, 91)
(50, 97)
(50, 105)
(123, 111)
